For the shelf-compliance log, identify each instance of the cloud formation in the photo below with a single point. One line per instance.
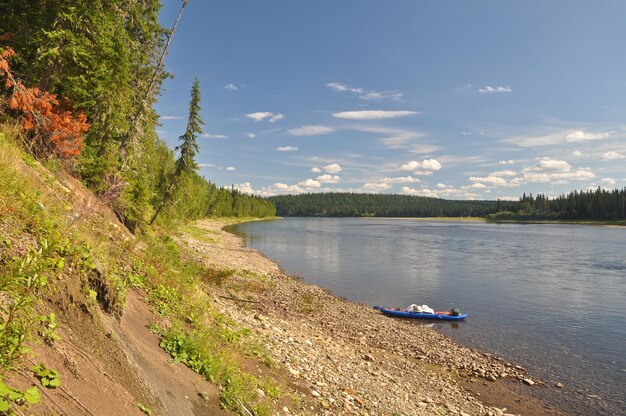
(262, 115)
(287, 148)
(311, 130)
(425, 167)
(332, 168)
(373, 115)
(231, 169)
(366, 94)
(612, 155)
(172, 117)
(326, 178)
(492, 90)
(214, 136)
(559, 137)
(231, 87)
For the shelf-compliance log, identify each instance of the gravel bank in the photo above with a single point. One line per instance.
(349, 358)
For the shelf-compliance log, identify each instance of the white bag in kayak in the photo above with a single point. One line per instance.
(427, 309)
(414, 308)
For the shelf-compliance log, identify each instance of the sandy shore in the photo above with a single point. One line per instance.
(349, 359)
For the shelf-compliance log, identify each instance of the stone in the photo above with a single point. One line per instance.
(315, 393)
(528, 381)
(368, 357)
(559, 385)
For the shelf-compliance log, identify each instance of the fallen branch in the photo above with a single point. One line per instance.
(240, 300)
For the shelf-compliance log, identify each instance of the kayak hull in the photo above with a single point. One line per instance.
(422, 315)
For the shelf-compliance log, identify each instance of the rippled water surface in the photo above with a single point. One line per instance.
(552, 297)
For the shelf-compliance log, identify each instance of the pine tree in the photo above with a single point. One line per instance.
(185, 164)
(189, 146)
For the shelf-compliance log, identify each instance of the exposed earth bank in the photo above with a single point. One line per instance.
(348, 358)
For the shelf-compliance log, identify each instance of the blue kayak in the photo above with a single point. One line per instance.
(422, 315)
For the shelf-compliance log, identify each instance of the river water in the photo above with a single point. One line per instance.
(550, 297)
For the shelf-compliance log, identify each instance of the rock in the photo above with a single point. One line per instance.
(559, 385)
(528, 381)
(315, 393)
(368, 357)
(492, 377)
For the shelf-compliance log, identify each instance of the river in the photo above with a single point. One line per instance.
(551, 297)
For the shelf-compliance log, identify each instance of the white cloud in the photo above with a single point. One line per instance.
(552, 164)
(287, 148)
(316, 170)
(207, 165)
(559, 137)
(373, 114)
(421, 192)
(231, 169)
(366, 94)
(339, 87)
(231, 87)
(245, 187)
(491, 180)
(262, 115)
(504, 173)
(577, 153)
(311, 130)
(608, 181)
(172, 117)
(400, 179)
(251, 135)
(584, 136)
(426, 167)
(376, 186)
(332, 168)
(310, 183)
(612, 155)
(326, 178)
(506, 162)
(478, 185)
(215, 136)
(490, 90)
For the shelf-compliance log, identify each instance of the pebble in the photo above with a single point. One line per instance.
(559, 385)
(528, 381)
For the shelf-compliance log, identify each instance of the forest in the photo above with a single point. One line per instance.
(599, 204)
(79, 79)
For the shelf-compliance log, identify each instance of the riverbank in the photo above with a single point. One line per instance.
(350, 359)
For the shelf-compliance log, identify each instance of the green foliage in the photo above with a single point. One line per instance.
(48, 328)
(145, 409)
(10, 397)
(376, 205)
(49, 378)
(189, 146)
(599, 204)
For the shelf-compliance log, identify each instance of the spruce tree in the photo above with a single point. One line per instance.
(185, 164)
(189, 146)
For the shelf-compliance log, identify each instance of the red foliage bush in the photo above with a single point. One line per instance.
(47, 121)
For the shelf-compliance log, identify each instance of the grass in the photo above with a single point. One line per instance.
(198, 336)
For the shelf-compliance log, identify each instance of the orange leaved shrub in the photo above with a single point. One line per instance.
(49, 123)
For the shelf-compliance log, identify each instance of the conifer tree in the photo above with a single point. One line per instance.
(185, 164)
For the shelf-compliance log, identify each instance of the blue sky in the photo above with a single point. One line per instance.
(454, 99)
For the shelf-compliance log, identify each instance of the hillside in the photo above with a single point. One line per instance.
(89, 300)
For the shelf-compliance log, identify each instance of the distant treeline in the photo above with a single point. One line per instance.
(377, 205)
(599, 204)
